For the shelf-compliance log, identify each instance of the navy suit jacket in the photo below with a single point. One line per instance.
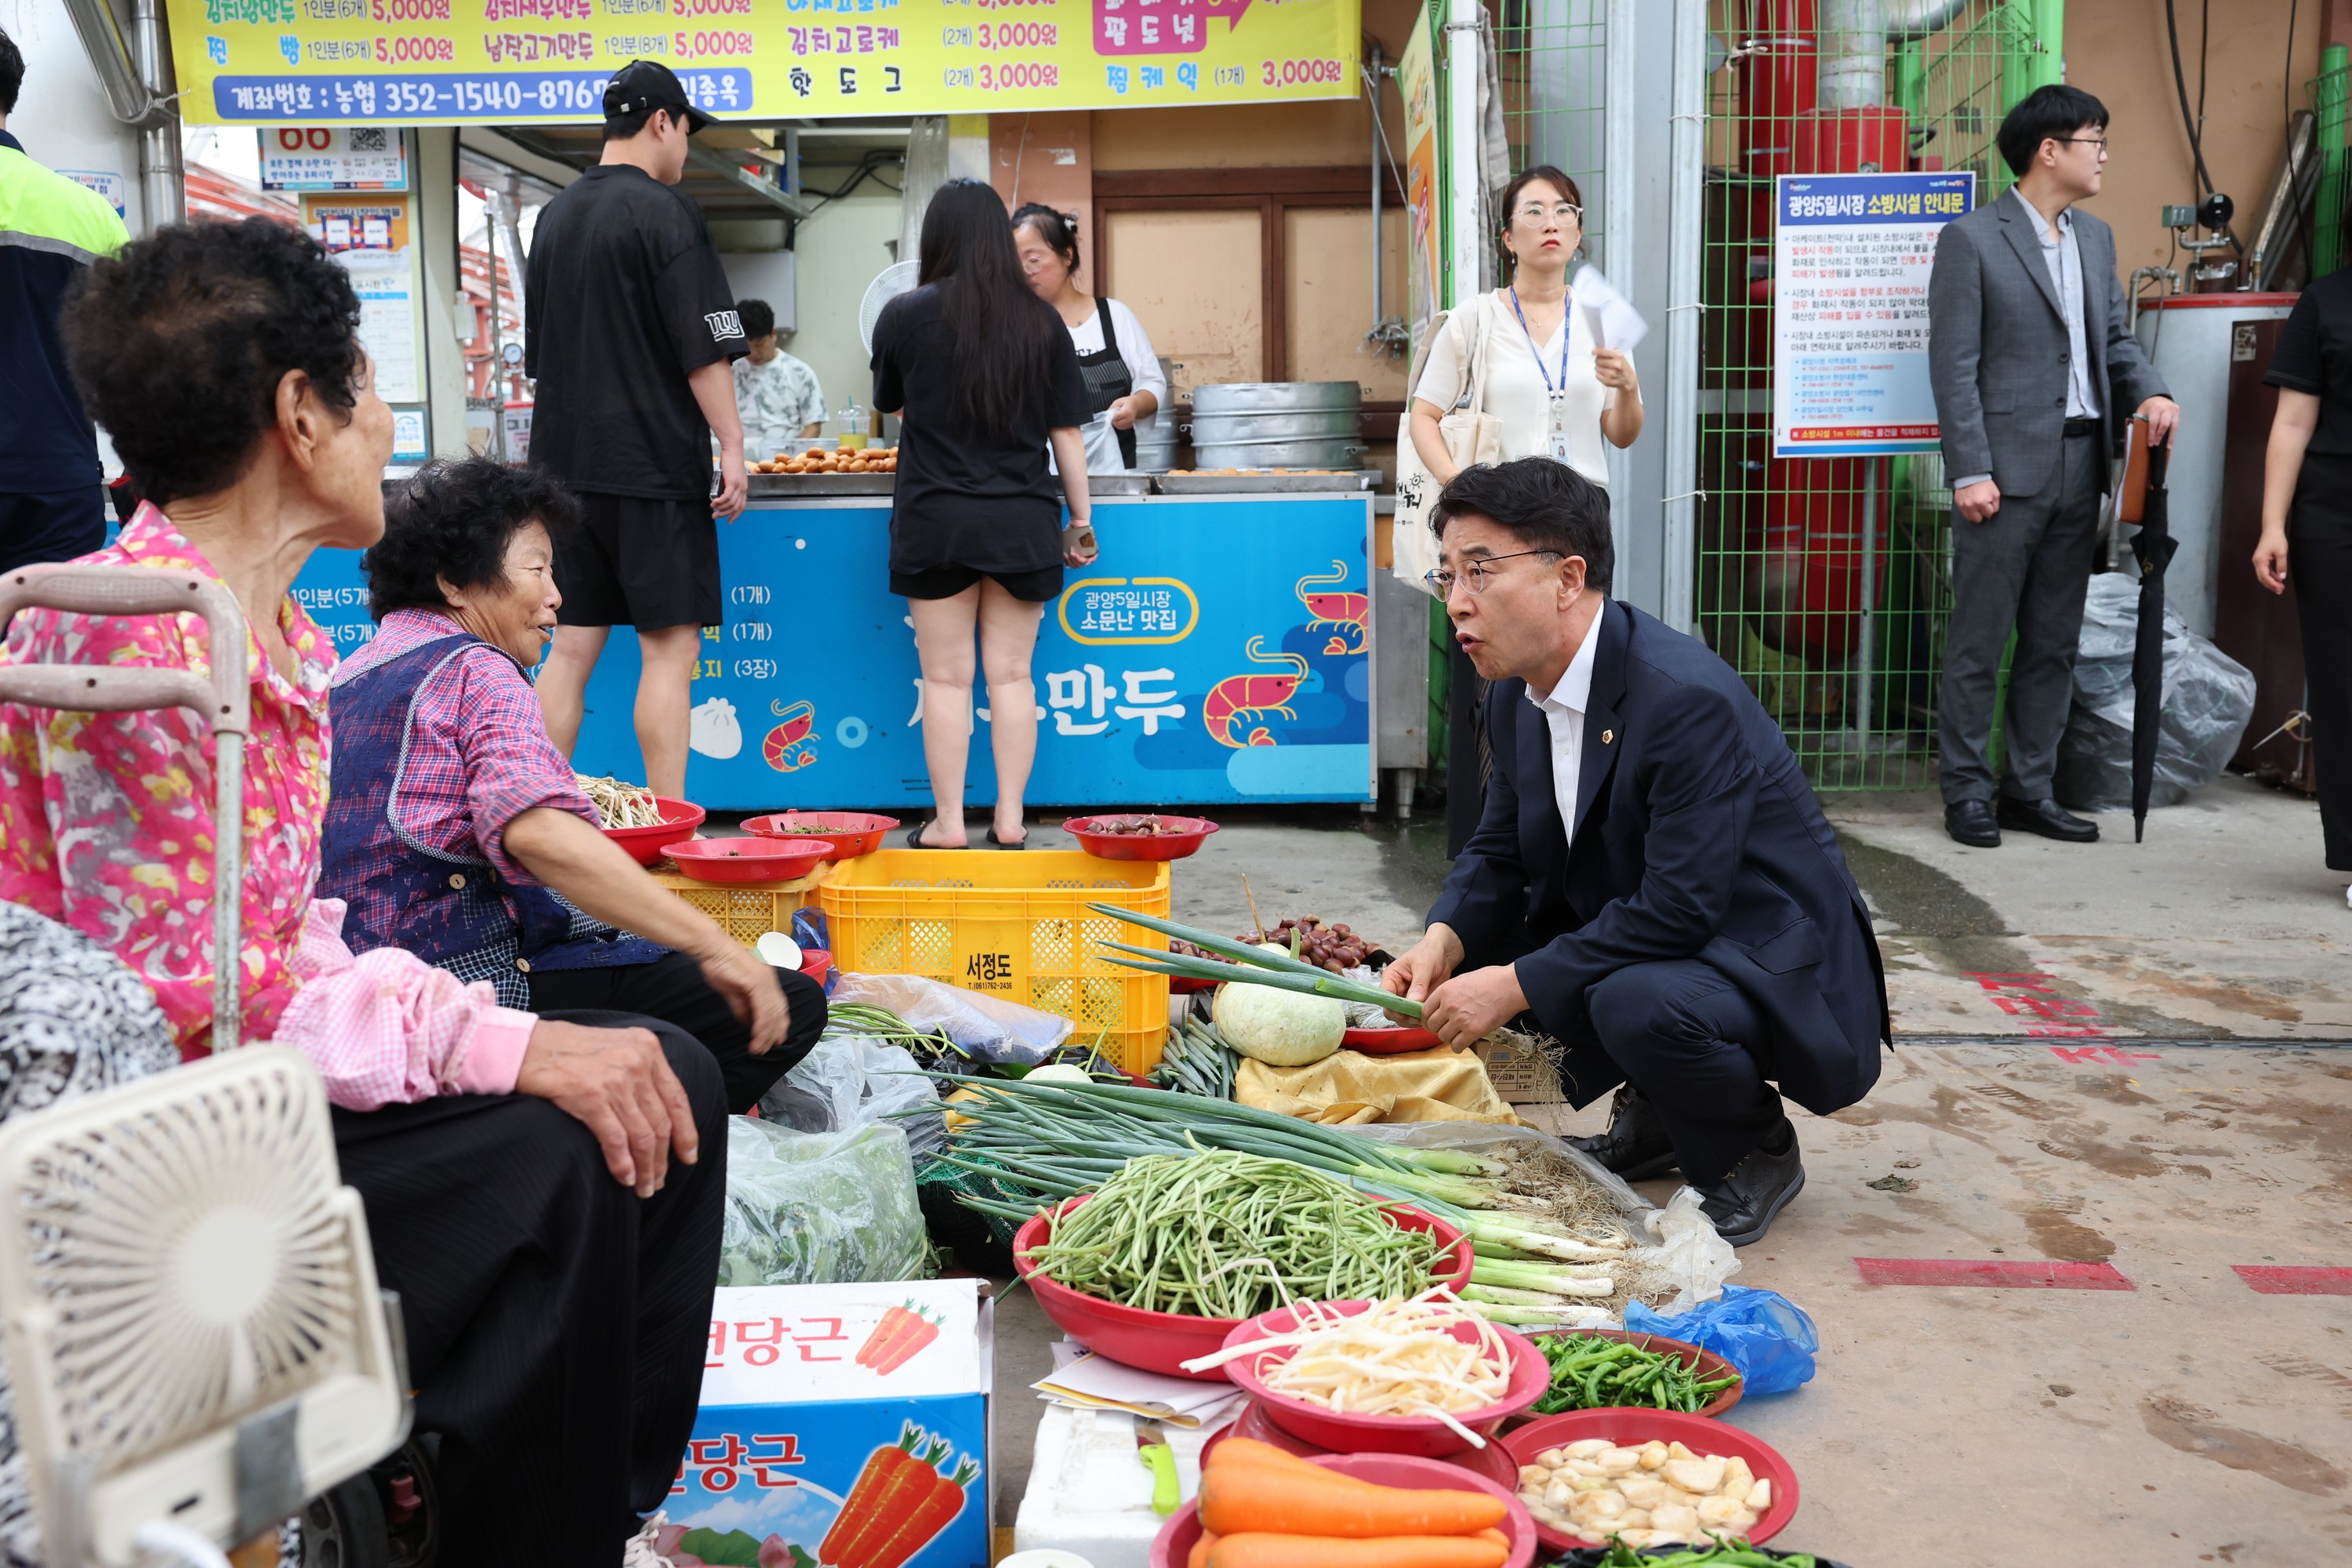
(1696, 836)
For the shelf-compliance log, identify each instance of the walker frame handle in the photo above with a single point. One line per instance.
(222, 703)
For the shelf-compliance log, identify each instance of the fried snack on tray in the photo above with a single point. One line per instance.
(834, 460)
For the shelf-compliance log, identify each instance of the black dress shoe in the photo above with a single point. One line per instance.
(2043, 817)
(1636, 1145)
(1743, 1204)
(1970, 822)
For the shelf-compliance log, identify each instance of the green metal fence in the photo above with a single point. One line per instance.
(1826, 581)
(2329, 95)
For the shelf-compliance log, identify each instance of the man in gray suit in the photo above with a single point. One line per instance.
(2036, 377)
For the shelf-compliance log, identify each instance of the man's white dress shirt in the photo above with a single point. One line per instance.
(1563, 711)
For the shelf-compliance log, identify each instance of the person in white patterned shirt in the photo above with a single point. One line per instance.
(778, 395)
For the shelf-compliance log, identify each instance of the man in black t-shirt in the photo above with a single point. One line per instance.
(631, 333)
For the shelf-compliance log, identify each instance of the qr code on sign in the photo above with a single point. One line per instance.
(371, 139)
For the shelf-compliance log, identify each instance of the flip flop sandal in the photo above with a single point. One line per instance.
(915, 839)
(1024, 843)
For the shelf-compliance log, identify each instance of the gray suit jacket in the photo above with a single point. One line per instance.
(1997, 351)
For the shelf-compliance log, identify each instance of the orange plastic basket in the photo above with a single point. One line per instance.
(1014, 926)
(750, 910)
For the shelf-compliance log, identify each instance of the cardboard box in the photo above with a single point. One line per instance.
(1520, 1079)
(842, 1424)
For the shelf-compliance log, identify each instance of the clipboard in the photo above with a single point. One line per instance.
(2131, 496)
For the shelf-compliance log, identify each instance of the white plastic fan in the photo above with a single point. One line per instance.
(189, 1309)
(889, 283)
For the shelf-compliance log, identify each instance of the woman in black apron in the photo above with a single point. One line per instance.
(1123, 377)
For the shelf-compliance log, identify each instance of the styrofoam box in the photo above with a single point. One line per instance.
(1089, 1492)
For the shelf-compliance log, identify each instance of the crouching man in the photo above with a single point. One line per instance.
(1651, 877)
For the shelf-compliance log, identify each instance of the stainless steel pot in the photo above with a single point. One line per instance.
(1275, 397)
(1326, 454)
(1306, 425)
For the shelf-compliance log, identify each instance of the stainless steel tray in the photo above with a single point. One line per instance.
(1306, 425)
(1192, 484)
(1274, 396)
(1119, 484)
(772, 485)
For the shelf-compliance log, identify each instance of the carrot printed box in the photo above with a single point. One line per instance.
(841, 1427)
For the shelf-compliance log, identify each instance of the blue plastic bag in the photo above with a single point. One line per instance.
(1763, 1334)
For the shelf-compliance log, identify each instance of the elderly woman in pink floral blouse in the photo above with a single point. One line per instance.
(544, 1191)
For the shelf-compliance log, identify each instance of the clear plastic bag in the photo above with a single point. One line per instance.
(2207, 699)
(1765, 1335)
(1685, 1249)
(1000, 1033)
(819, 1208)
(847, 1081)
(1475, 1135)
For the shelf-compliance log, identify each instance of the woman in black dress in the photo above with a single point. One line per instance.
(2307, 521)
(983, 375)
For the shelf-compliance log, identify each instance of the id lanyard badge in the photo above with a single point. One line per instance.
(1558, 432)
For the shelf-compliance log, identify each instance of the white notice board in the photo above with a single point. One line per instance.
(1850, 257)
(370, 236)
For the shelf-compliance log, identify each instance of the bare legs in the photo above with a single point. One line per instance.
(664, 695)
(1007, 629)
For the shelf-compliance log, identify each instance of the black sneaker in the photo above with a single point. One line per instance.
(1636, 1145)
(1745, 1203)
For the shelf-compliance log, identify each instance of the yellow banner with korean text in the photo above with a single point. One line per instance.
(451, 62)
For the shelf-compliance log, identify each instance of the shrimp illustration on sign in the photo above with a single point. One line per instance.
(1241, 699)
(789, 747)
(1344, 613)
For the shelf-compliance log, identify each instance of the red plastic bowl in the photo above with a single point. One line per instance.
(1343, 1433)
(1628, 1428)
(1164, 1342)
(816, 964)
(749, 859)
(851, 833)
(647, 845)
(1389, 1042)
(1172, 1547)
(1190, 831)
(1494, 1461)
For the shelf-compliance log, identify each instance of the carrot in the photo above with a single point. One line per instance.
(1200, 1550)
(917, 1333)
(858, 1506)
(900, 1497)
(1268, 1501)
(1249, 1452)
(884, 1332)
(931, 1515)
(1254, 1549)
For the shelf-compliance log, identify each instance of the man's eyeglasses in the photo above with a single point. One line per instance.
(1477, 573)
(2098, 142)
(1567, 211)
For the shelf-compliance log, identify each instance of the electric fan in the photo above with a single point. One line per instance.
(889, 283)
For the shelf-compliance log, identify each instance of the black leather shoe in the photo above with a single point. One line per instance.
(1744, 1203)
(2045, 818)
(1970, 822)
(1636, 1145)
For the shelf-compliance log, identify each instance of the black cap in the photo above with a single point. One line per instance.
(643, 85)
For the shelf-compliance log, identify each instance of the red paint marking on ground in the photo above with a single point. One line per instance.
(2081, 1054)
(2030, 995)
(2271, 1279)
(1998, 1272)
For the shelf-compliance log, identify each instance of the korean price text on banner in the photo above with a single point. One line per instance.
(447, 62)
(1851, 258)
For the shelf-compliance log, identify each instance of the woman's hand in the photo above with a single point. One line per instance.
(749, 984)
(2270, 560)
(1082, 557)
(1614, 368)
(618, 1083)
(1429, 439)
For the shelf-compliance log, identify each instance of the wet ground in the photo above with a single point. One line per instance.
(2080, 1262)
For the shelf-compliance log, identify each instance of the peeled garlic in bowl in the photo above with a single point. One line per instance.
(1655, 1494)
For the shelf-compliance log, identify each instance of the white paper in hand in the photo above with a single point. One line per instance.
(1609, 316)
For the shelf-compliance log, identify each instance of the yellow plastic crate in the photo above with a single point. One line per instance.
(747, 909)
(1014, 926)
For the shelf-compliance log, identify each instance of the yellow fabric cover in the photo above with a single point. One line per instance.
(1348, 1088)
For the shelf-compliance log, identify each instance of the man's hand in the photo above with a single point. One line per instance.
(749, 982)
(1122, 412)
(1977, 501)
(1468, 1007)
(734, 486)
(1425, 967)
(620, 1084)
(2163, 416)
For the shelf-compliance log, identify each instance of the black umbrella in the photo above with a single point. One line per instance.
(2152, 546)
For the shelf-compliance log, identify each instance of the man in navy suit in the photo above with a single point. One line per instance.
(1652, 878)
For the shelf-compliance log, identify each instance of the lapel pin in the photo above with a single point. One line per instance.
(1607, 736)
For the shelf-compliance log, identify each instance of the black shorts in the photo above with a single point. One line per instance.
(946, 582)
(642, 563)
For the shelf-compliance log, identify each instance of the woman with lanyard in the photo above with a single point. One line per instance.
(1124, 383)
(1552, 391)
